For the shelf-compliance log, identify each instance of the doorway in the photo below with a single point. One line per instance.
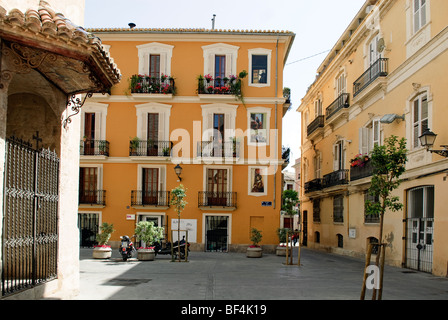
(88, 225)
(216, 233)
(420, 228)
(305, 229)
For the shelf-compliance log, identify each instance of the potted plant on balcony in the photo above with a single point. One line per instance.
(102, 250)
(254, 250)
(148, 234)
(360, 160)
(134, 144)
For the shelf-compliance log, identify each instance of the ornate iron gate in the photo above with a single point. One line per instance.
(30, 226)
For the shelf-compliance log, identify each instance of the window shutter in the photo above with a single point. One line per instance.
(336, 157)
(144, 128)
(98, 126)
(376, 134)
(210, 66)
(163, 65)
(363, 140)
(228, 64)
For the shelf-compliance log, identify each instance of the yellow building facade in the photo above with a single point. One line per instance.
(385, 76)
(208, 101)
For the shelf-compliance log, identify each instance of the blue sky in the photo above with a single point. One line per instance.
(318, 24)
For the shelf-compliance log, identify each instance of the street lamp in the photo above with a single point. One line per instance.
(178, 171)
(427, 140)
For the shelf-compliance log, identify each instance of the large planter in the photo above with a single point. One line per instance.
(254, 252)
(146, 254)
(280, 251)
(103, 252)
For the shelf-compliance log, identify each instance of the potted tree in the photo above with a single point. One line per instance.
(148, 234)
(134, 145)
(102, 250)
(254, 250)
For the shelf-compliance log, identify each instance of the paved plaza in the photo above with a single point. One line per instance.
(233, 276)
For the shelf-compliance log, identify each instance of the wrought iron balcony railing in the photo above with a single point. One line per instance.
(146, 84)
(149, 148)
(341, 102)
(227, 85)
(218, 150)
(359, 172)
(317, 123)
(217, 199)
(94, 148)
(150, 198)
(335, 178)
(313, 185)
(92, 197)
(376, 70)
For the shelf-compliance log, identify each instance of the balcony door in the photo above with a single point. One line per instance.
(217, 187)
(89, 133)
(154, 66)
(220, 69)
(153, 134)
(88, 185)
(150, 182)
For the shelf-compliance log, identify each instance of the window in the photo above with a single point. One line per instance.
(220, 69)
(317, 237)
(258, 124)
(90, 184)
(371, 218)
(317, 167)
(150, 186)
(155, 59)
(338, 155)
(374, 54)
(154, 66)
(93, 129)
(340, 240)
(369, 136)
(338, 208)
(316, 210)
(419, 14)
(420, 118)
(341, 85)
(151, 182)
(153, 121)
(259, 67)
(421, 202)
(220, 60)
(318, 108)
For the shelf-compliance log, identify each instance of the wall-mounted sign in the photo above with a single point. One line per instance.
(130, 217)
(266, 203)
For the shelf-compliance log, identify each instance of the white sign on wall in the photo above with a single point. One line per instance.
(185, 224)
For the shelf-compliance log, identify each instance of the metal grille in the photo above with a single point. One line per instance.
(419, 244)
(88, 224)
(216, 233)
(30, 232)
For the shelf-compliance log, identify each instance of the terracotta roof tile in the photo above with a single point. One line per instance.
(48, 23)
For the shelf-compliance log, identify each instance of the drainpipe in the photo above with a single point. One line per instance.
(276, 125)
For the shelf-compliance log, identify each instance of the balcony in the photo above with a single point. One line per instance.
(313, 185)
(338, 108)
(376, 70)
(92, 197)
(149, 148)
(211, 199)
(219, 87)
(316, 127)
(360, 172)
(335, 178)
(94, 148)
(143, 84)
(141, 198)
(211, 149)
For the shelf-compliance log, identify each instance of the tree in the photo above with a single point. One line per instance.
(388, 162)
(178, 195)
(290, 199)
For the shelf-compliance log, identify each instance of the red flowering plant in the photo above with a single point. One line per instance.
(359, 160)
(208, 77)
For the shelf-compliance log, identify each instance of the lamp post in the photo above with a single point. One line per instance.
(427, 140)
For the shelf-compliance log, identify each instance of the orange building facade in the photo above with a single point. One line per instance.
(208, 101)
